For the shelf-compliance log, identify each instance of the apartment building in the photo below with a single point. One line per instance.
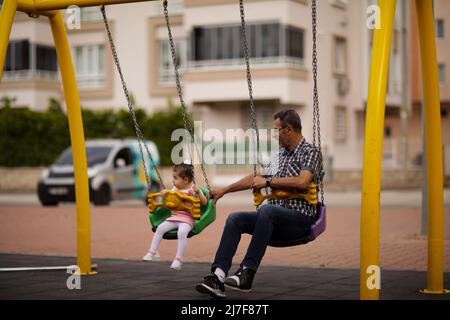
(210, 53)
(442, 30)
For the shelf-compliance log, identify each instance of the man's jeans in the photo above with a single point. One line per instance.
(269, 222)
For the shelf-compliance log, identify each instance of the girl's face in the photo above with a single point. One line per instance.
(179, 182)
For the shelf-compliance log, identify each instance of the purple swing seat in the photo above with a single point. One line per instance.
(317, 228)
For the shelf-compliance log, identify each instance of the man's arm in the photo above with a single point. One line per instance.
(301, 181)
(243, 184)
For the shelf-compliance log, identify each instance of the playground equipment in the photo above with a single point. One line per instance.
(310, 195)
(160, 210)
(373, 136)
(371, 181)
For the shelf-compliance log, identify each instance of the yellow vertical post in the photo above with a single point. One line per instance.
(6, 20)
(373, 144)
(77, 141)
(433, 136)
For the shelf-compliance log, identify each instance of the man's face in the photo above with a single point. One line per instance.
(283, 132)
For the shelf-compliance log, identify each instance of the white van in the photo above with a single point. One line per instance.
(114, 172)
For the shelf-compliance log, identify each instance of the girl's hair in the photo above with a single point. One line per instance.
(185, 170)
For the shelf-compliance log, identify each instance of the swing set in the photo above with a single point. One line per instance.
(160, 210)
(205, 215)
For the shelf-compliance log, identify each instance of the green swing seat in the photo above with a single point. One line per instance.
(207, 216)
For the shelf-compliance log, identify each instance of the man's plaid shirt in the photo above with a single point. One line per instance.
(289, 164)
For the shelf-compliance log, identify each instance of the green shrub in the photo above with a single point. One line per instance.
(30, 138)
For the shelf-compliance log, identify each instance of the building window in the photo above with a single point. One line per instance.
(340, 132)
(46, 58)
(294, 42)
(266, 41)
(340, 55)
(18, 56)
(387, 132)
(201, 40)
(440, 33)
(441, 69)
(264, 116)
(26, 59)
(166, 71)
(342, 4)
(89, 66)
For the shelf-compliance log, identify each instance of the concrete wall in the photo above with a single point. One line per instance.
(25, 179)
(19, 179)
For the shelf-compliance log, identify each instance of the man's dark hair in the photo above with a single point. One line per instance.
(185, 170)
(289, 116)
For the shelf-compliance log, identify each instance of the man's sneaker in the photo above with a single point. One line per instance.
(151, 256)
(241, 281)
(211, 285)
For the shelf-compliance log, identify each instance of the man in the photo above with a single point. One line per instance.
(298, 164)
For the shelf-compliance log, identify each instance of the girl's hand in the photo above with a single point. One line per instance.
(163, 192)
(195, 188)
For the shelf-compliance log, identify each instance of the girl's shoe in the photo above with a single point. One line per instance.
(151, 256)
(177, 264)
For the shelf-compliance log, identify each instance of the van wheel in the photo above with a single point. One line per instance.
(44, 198)
(102, 197)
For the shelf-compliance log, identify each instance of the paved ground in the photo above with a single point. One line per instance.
(328, 265)
(123, 231)
(121, 279)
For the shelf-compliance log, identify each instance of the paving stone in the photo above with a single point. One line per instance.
(134, 280)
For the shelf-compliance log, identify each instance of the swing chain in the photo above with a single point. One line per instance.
(250, 87)
(130, 107)
(316, 115)
(188, 125)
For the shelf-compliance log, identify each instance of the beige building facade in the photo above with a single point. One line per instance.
(207, 38)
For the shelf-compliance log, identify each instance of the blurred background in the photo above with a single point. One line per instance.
(33, 124)
(34, 128)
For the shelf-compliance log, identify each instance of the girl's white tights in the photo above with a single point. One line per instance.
(183, 231)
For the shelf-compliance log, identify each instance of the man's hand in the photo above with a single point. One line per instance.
(259, 182)
(217, 194)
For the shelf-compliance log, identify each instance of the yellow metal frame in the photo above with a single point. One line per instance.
(310, 195)
(174, 200)
(371, 180)
(50, 9)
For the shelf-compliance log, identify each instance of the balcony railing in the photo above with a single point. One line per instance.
(30, 75)
(91, 81)
(231, 63)
(167, 76)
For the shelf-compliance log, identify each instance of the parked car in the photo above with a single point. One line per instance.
(114, 172)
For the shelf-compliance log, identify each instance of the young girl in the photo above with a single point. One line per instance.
(183, 176)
